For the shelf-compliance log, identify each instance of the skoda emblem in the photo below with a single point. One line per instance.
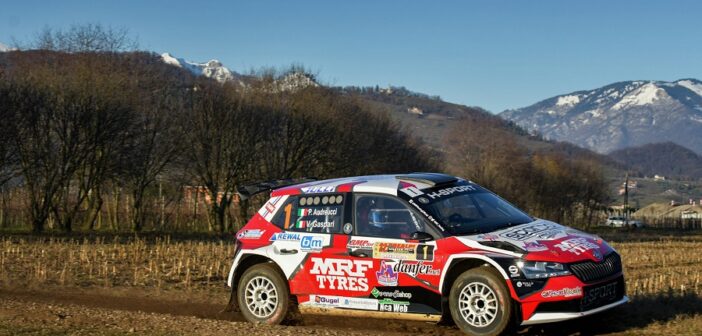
(597, 255)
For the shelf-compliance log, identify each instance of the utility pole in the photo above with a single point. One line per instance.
(626, 200)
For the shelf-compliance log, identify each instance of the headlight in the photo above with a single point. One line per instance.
(542, 269)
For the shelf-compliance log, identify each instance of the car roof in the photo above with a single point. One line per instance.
(384, 184)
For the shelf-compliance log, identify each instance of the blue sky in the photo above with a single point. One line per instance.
(493, 54)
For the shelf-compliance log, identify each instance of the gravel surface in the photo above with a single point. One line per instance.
(22, 317)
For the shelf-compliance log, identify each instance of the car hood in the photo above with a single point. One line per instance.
(547, 241)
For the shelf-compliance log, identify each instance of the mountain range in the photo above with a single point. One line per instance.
(607, 119)
(619, 115)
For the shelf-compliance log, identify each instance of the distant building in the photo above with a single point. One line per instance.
(200, 194)
(659, 178)
(690, 214)
(633, 186)
(415, 110)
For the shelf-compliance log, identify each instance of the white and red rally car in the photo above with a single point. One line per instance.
(422, 243)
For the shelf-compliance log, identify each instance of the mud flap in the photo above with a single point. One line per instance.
(233, 304)
(294, 316)
(446, 318)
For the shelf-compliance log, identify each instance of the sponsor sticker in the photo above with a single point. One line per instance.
(414, 268)
(576, 245)
(269, 208)
(348, 228)
(403, 251)
(311, 244)
(535, 247)
(321, 300)
(513, 271)
(341, 274)
(385, 250)
(396, 294)
(538, 230)
(285, 236)
(390, 305)
(450, 191)
(525, 284)
(488, 237)
(359, 303)
(564, 292)
(359, 244)
(318, 189)
(386, 276)
(250, 234)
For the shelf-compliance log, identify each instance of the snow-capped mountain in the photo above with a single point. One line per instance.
(216, 70)
(212, 69)
(620, 115)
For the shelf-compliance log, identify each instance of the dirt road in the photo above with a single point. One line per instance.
(103, 312)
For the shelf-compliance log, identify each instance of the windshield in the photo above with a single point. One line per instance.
(470, 209)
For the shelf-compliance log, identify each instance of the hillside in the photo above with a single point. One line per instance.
(425, 117)
(620, 115)
(668, 159)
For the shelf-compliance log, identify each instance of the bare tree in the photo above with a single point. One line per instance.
(153, 145)
(222, 143)
(89, 37)
(8, 157)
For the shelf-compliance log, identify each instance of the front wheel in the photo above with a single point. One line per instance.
(263, 295)
(480, 303)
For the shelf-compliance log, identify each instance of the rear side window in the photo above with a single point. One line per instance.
(312, 213)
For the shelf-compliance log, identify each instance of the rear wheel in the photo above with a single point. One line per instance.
(480, 303)
(263, 295)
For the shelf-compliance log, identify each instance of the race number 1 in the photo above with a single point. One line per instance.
(425, 252)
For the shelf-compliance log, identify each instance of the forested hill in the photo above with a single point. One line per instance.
(667, 159)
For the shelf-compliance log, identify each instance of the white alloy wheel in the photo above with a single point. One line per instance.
(478, 304)
(261, 297)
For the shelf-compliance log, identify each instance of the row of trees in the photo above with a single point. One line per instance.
(80, 127)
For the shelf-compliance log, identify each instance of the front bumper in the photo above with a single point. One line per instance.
(538, 318)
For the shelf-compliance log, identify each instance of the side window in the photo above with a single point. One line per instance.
(312, 213)
(386, 217)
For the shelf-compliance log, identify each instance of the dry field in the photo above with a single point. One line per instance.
(166, 286)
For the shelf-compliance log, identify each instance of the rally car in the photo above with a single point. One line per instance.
(422, 243)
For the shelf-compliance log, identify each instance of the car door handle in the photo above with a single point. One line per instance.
(359, 254)
(287, 251)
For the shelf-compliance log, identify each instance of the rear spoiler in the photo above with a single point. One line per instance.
(432, 179)
(246, 191)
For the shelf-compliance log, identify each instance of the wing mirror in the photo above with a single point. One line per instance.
(421, 236)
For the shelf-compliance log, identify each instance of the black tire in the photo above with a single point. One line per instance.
(496, 304)
(266, 276)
